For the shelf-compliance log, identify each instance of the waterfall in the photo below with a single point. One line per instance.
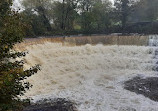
(92, 75)
(153, 40)
(93, 40)
(153, 43)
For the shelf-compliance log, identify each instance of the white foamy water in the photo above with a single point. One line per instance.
(92, 76)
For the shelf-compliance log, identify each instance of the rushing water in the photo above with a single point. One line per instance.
(92, 76)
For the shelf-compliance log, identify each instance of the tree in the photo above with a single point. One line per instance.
(94, 15)
(12, 72)
(144, 17)
(41, 7)
(86, 15)
(69, 16)
(145, 10)
(64, 14)
(34, 22)
(123, 9)
(101, 11)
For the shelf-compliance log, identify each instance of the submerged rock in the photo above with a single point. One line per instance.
(145, 86)
(52, 105)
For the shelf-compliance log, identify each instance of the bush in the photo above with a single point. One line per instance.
(12, 72)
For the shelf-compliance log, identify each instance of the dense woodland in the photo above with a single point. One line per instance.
(69, 17)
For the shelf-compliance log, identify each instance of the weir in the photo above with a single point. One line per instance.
(92, 75)
(93, 40)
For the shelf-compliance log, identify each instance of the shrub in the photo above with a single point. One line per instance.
(12, 72)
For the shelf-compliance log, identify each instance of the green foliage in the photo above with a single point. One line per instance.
(123, 9)
(12, 72)
(42, 9)
(64, 14)
(84, 16)
(48, 17)
(145, 10)
(35, 25)
(95, 17)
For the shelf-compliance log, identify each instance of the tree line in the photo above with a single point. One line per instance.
(48, 17)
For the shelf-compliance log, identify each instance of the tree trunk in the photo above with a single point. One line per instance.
(62, 19)
(45, 19)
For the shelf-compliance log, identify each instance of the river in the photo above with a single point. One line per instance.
(91, 75)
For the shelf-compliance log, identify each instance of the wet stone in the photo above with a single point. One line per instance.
(145, 86)
(52, 105)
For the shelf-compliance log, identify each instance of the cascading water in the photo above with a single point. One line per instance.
(153, 42)
(92, 76)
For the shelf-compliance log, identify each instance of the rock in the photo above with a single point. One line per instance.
(145, 86)
(52, 105)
